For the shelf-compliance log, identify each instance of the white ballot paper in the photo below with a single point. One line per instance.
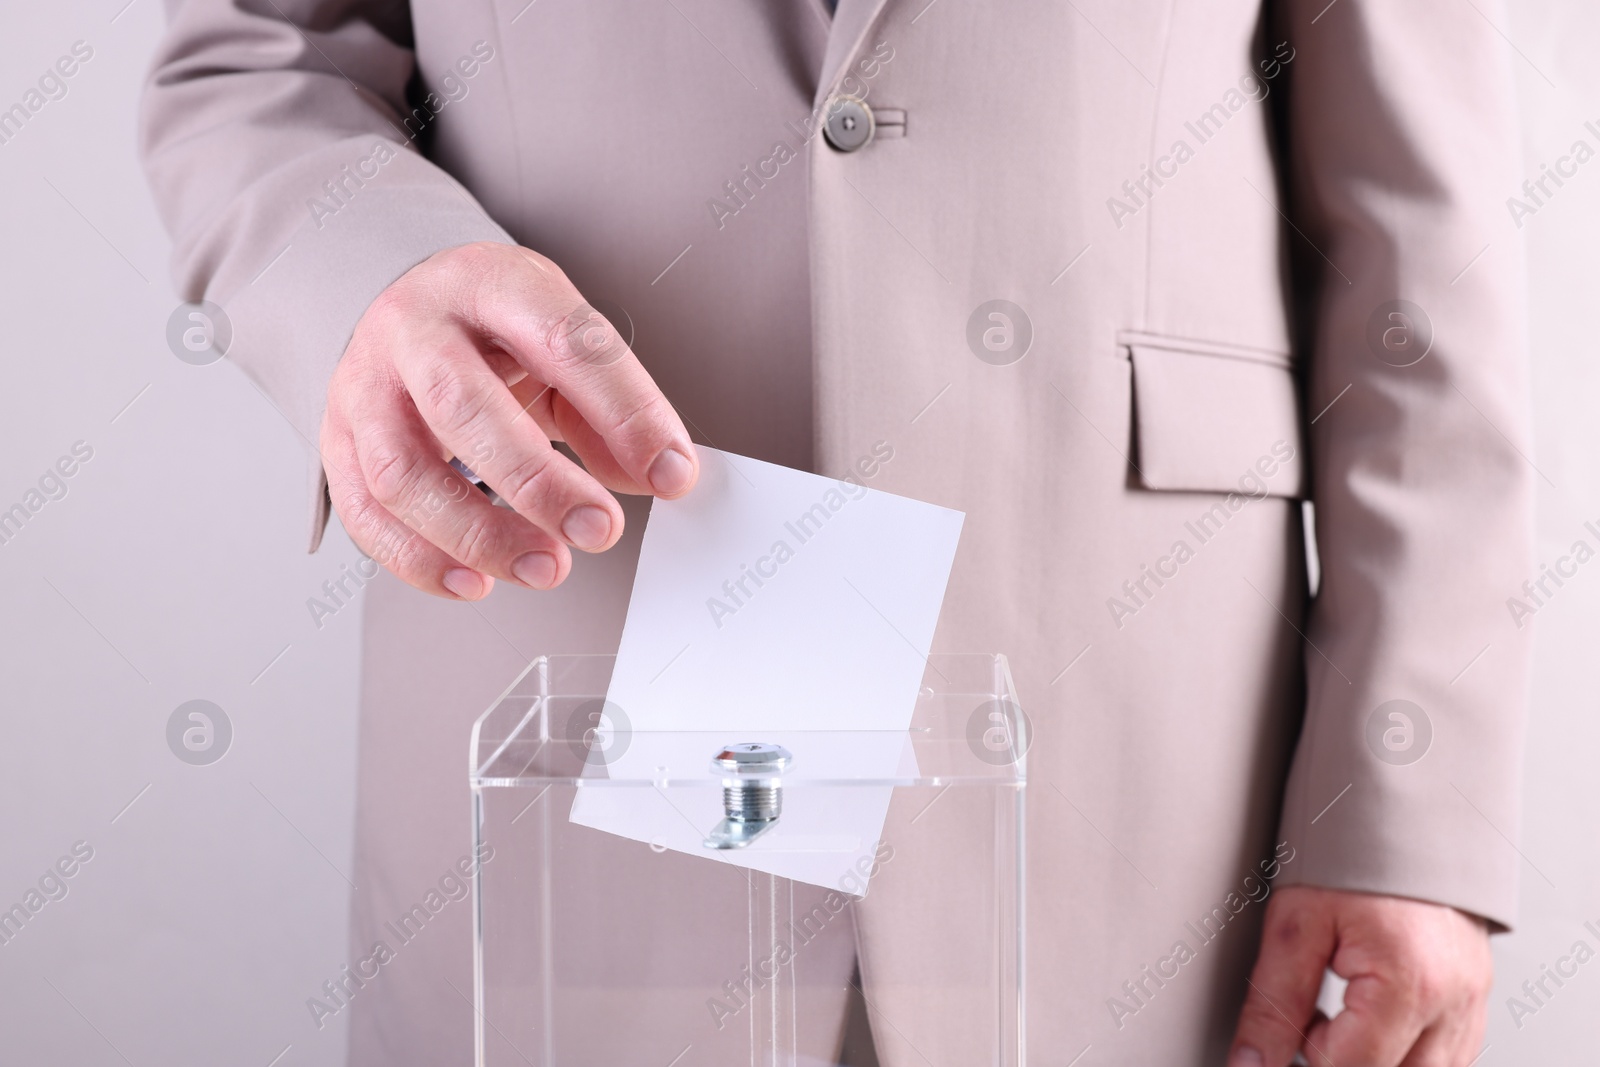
(774, 605)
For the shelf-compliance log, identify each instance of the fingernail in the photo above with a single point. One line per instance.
(1245, 1057)
(468, 585)
(670, 473)
(586, 526)
(536, 569)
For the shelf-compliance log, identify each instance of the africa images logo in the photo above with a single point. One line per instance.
(199, 732)
(1399, 732)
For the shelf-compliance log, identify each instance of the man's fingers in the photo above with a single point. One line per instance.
(1383, 1017)
(1470, 1024)
(1316, 1039)
(385, 539)
(536, 398)
(475, 416)
(404, 473)
(1405, 1002)
(1464, 1025)
(1296, 945)
(1377, 1032)
(1440, 1045)
(532, 311)
(586, 441)
(562, 422)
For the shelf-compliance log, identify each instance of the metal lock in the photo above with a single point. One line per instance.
(752, 791)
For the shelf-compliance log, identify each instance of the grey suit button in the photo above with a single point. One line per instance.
(849, 124)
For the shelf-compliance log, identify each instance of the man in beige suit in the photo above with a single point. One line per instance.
(1124, 281)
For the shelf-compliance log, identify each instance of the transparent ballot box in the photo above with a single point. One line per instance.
(690, 899)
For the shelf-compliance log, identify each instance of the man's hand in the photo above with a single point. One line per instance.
(488, 353)
(1419, 977)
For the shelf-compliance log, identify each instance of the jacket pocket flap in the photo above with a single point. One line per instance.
(1213, 419)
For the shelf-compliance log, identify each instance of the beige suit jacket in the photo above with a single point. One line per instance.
(1205, 212)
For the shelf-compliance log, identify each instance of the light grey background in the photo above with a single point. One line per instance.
(216, 900)
(172, 570)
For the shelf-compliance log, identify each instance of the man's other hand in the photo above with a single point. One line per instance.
(1419, 976)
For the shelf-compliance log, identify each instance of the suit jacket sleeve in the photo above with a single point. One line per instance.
(1402, 145)
(280, 147)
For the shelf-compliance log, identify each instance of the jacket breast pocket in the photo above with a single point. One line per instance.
(1215, 418)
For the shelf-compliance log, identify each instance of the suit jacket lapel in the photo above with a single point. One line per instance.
(852, 20)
